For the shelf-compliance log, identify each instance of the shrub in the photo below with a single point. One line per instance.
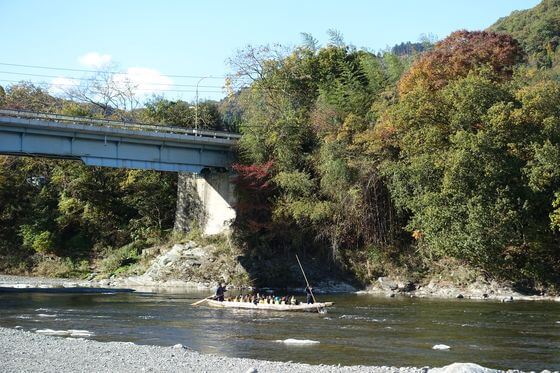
(39, 241)
(119, 260)
(53, 266)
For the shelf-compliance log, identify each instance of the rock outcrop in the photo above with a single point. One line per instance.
(190, 265)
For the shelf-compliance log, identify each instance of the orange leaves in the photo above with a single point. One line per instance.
(417, 235)
(458, 54)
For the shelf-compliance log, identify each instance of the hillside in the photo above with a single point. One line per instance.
(537, 29)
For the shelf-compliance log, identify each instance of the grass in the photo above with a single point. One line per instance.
(120, 261)
(52, 266)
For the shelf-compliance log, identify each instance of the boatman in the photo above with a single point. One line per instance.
(220, 292)
(309, 292)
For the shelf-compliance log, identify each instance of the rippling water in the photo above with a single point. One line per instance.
(360, 329)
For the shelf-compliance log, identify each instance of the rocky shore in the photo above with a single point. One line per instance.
(189, 267)
(22, 351)
(385, 286)
(479, 289)
(25, 282)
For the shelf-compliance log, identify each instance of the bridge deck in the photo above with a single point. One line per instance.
(113, 143)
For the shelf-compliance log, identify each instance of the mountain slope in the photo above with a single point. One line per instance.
(537, 29)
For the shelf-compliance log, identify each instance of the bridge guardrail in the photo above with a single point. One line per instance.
(117, 124)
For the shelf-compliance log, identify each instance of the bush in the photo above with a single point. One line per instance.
(53, 266)
(39, 241)
(120, 260)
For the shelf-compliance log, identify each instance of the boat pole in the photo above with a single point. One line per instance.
(307, 282)
(202, 300)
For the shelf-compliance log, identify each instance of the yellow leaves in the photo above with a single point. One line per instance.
(228, 86)
(555, 214)
(132, 176)
(417, 235)
(541, 100)
(68, 205)
(352, 125)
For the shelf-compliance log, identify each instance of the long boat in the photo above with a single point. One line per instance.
(315, 307)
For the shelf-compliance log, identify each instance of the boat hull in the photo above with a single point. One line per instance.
(271, 307)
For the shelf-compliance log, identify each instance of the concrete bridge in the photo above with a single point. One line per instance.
(201, 157)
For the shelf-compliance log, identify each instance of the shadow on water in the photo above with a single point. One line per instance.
(357, 330)
(69, 290)
(283, 271)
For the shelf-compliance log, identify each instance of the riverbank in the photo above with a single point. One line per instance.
(478, 289)
(191, 266)
(30, 352)
(385, 286)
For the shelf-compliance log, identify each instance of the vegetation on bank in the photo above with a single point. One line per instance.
(379, 162)
(386, 165)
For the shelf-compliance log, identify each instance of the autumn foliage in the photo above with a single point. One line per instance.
(458, 54)
(254, 188)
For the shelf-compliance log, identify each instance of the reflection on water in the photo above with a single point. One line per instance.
(358, 330)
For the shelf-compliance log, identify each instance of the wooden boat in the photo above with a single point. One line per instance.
(271, 307)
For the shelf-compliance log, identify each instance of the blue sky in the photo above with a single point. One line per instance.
(149, 39)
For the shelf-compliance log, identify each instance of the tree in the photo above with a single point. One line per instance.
(28, 96)
(113, 94)
(538, 31)
(304, 113)
(2, 95)
(465, 140)
(62, 208)
(458, 54)
(180, 113)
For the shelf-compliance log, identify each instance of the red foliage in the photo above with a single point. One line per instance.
(254, 189)
(253, 177)
(458, 54)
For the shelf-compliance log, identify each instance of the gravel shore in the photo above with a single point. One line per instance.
(41, 282)
(22, 351)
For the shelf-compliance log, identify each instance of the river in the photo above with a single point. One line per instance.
(359, 329)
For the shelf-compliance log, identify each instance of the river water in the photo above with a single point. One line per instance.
(359, 329)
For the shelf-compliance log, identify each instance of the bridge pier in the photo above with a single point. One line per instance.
(206, 198)
(204, 194)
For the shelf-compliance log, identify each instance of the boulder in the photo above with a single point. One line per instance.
(387, 283)
(406, 286)
(463, 368)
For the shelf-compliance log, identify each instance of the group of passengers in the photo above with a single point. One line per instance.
(258, 298)
(264, 299)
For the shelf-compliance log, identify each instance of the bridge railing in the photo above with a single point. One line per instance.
(117, 124)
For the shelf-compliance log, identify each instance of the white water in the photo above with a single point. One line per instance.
(292, 341)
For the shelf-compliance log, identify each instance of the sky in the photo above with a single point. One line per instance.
(147, 41)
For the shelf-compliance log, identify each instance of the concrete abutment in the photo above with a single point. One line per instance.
(206, 198)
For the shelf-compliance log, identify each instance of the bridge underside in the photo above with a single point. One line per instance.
(110, 147)
(186, 152)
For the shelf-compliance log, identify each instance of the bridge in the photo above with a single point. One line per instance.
(201, 157)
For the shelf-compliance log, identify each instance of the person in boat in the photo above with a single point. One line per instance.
(220, 292)
(309, 292)
(293, 300)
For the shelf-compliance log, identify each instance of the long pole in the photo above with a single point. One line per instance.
(203, 300)
(307, 282)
